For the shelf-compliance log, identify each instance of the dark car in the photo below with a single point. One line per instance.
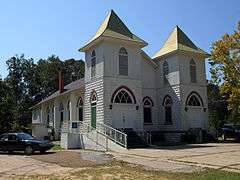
(23, 142)
(230, 131)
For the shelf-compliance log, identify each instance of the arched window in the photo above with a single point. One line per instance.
(165, 72)
(123, 97)
(61, 109)
(93, 100)
(193, 73)
(93, 63)
(123, 62)
(80, 108)
(69, 110)
(167, 103)
(194, 99)
(147, 110)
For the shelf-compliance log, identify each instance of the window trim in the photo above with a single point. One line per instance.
(165, 68)
(148, 107)
(167, 107)
(193, 71)
(122, 96)
(123, 53)
(93, 67)
(198, 97)
(127, 89)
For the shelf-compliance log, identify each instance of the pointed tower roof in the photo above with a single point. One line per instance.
(178, 40)
(113, 27)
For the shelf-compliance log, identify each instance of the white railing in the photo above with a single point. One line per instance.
(78, 127)
(113, 134)
(146, 136)
(93, 134)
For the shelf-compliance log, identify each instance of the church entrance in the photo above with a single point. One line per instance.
(124, 116)
(124, 109)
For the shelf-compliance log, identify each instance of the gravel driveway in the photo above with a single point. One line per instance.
(175, 158)
(51, 163)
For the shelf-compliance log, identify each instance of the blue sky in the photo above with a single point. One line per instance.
(42, 28)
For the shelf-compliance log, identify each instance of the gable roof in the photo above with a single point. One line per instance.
(148, 59)
(75, 85)
(113, 27)
(178, 40)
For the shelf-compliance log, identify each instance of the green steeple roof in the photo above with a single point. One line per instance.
(113, 27)
(178, 40)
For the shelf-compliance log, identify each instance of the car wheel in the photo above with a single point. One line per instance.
(42, 151)
(223, 137)
(28, 150)
(10, 152)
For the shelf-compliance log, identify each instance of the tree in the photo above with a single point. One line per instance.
(217, 106)
(6, 106)
(27, 83)
(225, 70)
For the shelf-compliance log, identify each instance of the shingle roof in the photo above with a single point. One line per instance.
(178, 40)
(68, 88)
(113, 26)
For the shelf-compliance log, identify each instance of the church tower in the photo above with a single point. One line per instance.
(113, 88)
(182, 89)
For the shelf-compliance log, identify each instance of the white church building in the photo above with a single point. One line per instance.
(124, 89)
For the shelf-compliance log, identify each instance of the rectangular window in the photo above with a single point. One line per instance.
(80, 114)
(193, 74)
(61, 119)
(168, 115)
(147, 115)
(123, 65)
(93, 67)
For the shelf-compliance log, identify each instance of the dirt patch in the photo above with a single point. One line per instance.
(72, 158)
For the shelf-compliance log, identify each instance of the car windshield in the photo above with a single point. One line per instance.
(25, 136)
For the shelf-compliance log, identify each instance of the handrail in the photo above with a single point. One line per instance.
(146, 136)
(113, 134)
(85, 128)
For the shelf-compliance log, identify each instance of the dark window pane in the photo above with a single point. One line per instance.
(123, 97)
(80, 114)
(168, 115)
(147, 115)
(123, 65)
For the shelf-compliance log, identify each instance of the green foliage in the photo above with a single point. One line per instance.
(225, 70)
(217, 106)
(27, 83)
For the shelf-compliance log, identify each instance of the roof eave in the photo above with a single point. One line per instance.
(144, 54)
(100, 38)
(88, 45)
(206, 55)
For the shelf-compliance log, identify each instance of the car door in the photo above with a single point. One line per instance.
(14, 142)
(4, 142)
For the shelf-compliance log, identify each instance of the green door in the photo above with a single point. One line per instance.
(93, 115)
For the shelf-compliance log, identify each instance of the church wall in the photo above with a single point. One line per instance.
(149, 89)
(185, 69)
(194, 111)
(94, 83)
(112, 80)
(174, 71)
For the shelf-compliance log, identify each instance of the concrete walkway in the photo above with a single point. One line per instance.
(185, 158)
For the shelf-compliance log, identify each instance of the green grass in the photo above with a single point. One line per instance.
(121, 170)
(56, 148)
